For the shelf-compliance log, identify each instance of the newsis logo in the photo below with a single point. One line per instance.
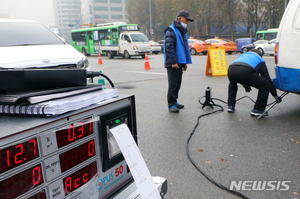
(260, 185)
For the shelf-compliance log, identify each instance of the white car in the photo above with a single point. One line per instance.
(155, 47)
(267, 48)
(30, 44)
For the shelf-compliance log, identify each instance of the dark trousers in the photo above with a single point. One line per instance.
(246, 76)
(174, 81)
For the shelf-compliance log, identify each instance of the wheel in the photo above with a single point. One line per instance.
(83, 51)
(244, 50)
(193, 51)
(110, 55)
(204, 53)
(229, 53)
(261, 51)
(143, 56)
(156, 53)
(126, 55)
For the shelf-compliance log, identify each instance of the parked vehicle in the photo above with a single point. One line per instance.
(230, 46)
(248, 47)
(242, 42)
(162, 44)
(267, 48)
(155, 47)
(30, 44)
(198, 46)
(287, 50)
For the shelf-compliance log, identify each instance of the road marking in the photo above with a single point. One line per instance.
(146, 72)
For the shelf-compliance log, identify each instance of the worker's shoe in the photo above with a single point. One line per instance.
(174, 109)
(230, 109)
(258, 113)
(179, 105)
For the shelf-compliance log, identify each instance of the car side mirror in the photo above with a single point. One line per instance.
(128, 40)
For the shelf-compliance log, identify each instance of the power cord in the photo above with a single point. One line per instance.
(92, 74)
(209, 102)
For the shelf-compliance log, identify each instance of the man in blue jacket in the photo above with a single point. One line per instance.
(176, 56)
(245, 70)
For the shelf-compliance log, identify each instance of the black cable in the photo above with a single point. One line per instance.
(92, 74)
(227, 103)
(194, 163)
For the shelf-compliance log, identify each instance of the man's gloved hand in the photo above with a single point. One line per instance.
(247, 88)
(278, 99)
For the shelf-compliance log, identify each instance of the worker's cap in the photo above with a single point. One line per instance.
(186, 14)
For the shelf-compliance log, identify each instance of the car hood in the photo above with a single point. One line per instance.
(38, 56)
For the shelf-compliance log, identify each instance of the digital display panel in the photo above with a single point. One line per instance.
(74, 132)
(21, 182)
(39, 195)
(18, 154)
(79, 178)
(76, 155)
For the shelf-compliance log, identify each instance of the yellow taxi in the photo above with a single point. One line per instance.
(198, 46)
(230, 46)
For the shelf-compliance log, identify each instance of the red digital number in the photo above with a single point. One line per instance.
(19, 154)
(71, 135)
(36, 175)
(32, 148)
(81, 129)
(91, 148)
(15, 155)
(70, 158)
(21, 183)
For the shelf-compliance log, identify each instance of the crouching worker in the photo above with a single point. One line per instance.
(250, 70)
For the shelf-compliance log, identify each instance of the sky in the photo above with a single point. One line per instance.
(37, 10)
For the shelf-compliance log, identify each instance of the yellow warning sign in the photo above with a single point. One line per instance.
(216, 63)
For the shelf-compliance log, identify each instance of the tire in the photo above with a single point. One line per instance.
(156, 53)
(244, 50)
(193, 51)
(229, 53)
(126, 55)
(143, 56)
(261, 50)
(110, 55)
(204, 53)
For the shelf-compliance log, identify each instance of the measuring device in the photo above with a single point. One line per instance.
(71, 156)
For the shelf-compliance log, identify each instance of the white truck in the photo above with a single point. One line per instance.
(131, 43)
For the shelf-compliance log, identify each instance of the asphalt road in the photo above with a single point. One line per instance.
(227, 147)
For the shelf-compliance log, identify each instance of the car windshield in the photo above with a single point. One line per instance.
(139, 38)
(199, 41)
(26, 33)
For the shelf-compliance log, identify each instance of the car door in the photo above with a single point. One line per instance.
(124, 44)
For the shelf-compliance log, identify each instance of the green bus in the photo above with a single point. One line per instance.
(89, 40)
(266, 34)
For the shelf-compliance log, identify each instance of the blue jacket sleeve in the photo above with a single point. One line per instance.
(170, 47)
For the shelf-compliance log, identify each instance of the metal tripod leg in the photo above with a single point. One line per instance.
(274, 103)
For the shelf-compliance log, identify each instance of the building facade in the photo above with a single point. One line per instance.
(103, 11)
(76, 14)
(67, 15)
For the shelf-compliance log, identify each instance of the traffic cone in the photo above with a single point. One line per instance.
(99, 59)
(101, 81)
(147, 65)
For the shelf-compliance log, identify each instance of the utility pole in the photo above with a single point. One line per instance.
(150, 20)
